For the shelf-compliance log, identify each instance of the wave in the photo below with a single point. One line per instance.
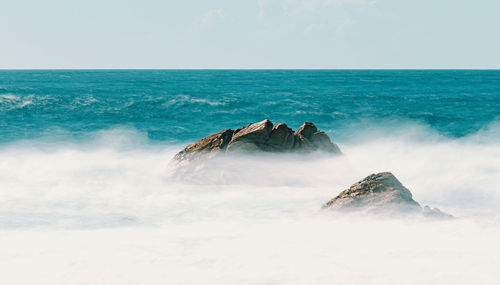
(115, 172)
(8, 97)
(88, 196)
(80, 205)
(180, 99)
(11, 101)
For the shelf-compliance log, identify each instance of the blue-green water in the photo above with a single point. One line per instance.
(88, 193)
(182, 105)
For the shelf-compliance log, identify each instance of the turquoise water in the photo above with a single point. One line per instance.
(88, 193)
(183, 105)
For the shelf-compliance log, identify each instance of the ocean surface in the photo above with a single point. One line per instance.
(88, 194)
(179, 106)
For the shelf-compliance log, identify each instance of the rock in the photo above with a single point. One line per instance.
(321, 141)
(260, 137)
(306, 130)
(377, 191)
(281, 139)
(435, 213)
(252, 137)
(380, 193)
(309, 138)
(212, 145)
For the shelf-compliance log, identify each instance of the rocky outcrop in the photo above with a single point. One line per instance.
(210, 145)
(261, 137)
(252, 137)
(381, 193)
(281, 138)
(309, 138)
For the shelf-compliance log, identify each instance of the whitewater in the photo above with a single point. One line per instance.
(88, 195)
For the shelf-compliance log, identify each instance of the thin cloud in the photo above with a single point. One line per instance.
(301, 7)
(209, 17)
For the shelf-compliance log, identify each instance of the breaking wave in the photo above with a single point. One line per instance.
(81, 205)
(88, 195)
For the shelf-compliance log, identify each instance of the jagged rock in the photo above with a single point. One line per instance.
(261, 137)
(309, 138)
(281, 138)
(306, 130)
(321, 141)
(377, 191)
(381, 193)
(252, 137)
(212, 145)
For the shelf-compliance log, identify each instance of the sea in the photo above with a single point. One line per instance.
(89, 193)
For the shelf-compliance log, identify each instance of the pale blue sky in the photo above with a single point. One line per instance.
(250, 34)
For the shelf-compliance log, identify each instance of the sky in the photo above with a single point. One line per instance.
(185, 34)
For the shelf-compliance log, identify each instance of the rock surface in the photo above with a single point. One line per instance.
(252, 137)
(209, 145)
(309, 138)
(260, 137)
(381, 193)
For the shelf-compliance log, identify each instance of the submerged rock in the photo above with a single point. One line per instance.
(381, 193)
(435, 213)
(260, 137)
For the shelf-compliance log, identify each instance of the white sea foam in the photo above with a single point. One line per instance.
(9, 97)
(107, 212)
(25, 103)
(189, 99)
(15, 101)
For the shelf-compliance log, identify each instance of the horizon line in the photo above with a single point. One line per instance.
(239, 69)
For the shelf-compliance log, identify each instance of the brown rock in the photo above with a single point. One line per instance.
(322, 142)
(261, 137)
(306, 130)
(375, 191)
(281, 139)
(212, 144)
(252, 137)
(380, 193)
(308, 138)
